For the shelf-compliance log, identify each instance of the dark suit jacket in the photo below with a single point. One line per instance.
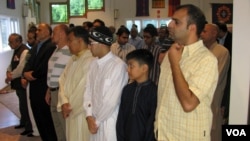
(226, 96)
(228, 42)
(38, 63)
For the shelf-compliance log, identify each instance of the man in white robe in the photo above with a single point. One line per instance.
(106, 78)
(72, 84)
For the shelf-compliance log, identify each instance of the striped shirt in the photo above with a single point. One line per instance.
(154, 74)
(56, 65)
(121, 50)
(200, 70)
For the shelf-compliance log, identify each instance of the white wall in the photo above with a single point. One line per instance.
(240, 64)
(14, 12)
(127, 10)
(106, 16)
(6, 55)
(4, 63)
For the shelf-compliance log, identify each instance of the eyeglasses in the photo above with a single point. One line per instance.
(93, 43)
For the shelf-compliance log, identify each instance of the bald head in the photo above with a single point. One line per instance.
(43, 32)
(209, 34)
(212, 27)
(59, 35)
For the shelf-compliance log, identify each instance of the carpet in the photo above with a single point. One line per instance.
(10, 100)
(7, 137)
(11, 134)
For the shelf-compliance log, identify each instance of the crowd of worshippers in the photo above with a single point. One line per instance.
(91, 82)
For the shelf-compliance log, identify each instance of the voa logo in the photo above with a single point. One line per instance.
(236, 132)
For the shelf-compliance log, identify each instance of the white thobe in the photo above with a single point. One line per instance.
(71, 90)
(106, 79)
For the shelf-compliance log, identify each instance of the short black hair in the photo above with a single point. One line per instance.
(80, 32)
(142, 56)
(88, 24)
(32, 30)
(122, 30)
(99, 21)
(222, 26)
(71, 25)
(151, 29)
(195, 16)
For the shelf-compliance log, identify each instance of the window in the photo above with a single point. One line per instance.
(59, 13)
(142, 23)
(77, 8)
(95, 5)
(8, 25)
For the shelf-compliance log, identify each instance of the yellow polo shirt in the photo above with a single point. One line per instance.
(200, 69)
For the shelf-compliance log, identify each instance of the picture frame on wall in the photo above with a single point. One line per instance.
(158, 3)
(77, 8)
(59, 13)
(11, 4)
(96, 5)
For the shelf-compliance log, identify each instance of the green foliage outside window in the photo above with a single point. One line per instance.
(77, 7)
(59, 13)
(95, 4)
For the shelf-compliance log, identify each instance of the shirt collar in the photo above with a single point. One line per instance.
(143, 83)
(190, 49)
(41, 42)
(105, 58)
(79, 54)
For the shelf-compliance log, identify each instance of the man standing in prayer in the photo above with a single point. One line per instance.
(56, 65)
(188, 78)
(106, 78)
(72, 84)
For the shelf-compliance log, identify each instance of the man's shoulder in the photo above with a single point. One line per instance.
(118, 60)
(25, 46)
(48, 43)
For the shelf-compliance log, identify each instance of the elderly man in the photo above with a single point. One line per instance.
(13, 75)
(56, 65)
(209, 35)
(73, 84)
(35, 72)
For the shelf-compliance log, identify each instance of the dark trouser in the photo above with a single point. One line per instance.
(42, 116)
(23, 108)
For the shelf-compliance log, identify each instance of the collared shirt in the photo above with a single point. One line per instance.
(39, 45)
(137, 42)
(222, 40)
(56, 65)
(135, 121)
(79, 54)
(154, 73)
(200, 70)
(122, 50)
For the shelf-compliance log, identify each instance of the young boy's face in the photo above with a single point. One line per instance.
(135, 70)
